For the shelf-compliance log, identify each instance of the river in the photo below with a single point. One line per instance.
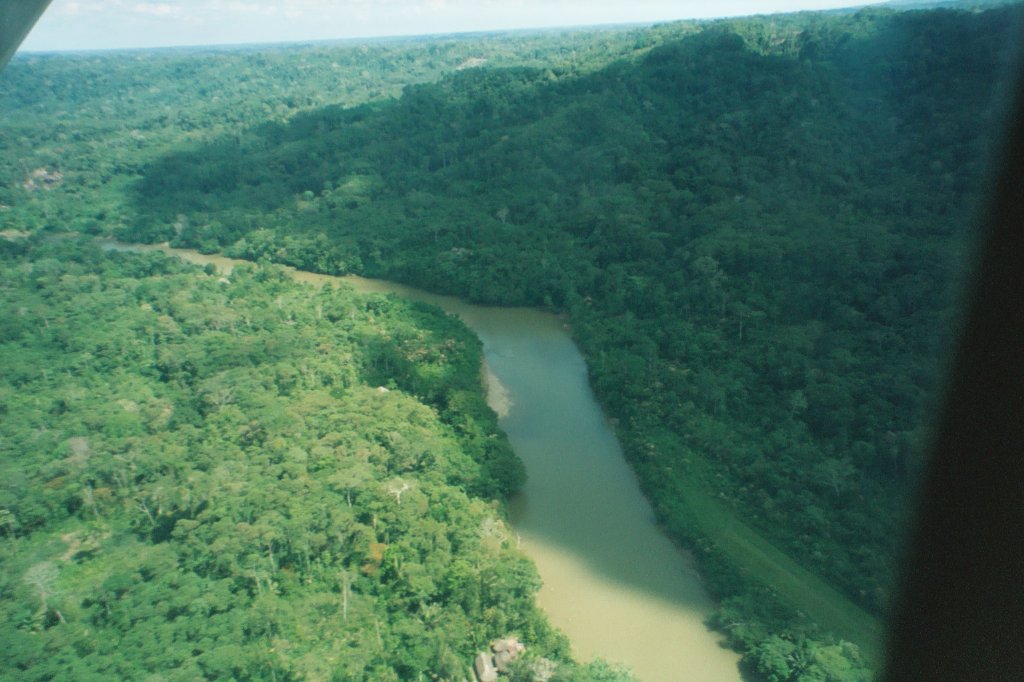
(612, 581)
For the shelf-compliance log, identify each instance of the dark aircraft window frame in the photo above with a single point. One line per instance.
(960, 610)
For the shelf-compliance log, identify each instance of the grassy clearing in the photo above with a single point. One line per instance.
(797, 586)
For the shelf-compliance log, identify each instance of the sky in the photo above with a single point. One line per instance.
(109, 24)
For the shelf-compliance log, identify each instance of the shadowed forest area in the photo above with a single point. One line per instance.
(756, 228)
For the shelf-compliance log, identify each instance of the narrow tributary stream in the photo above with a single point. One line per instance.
(612, 581)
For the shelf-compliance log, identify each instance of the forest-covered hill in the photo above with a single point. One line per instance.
(754, 229)
(754, 226)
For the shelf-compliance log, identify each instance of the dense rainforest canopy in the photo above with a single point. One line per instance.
(754, 227)
(204, 477)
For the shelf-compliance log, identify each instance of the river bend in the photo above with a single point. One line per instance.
(612, 581)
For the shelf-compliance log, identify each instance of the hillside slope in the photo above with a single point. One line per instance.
(755, 230)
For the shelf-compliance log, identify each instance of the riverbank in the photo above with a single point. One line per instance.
(613, 582)
(746, 549)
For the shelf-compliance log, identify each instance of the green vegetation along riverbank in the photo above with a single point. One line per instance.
(754, 228)
(242, 477)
